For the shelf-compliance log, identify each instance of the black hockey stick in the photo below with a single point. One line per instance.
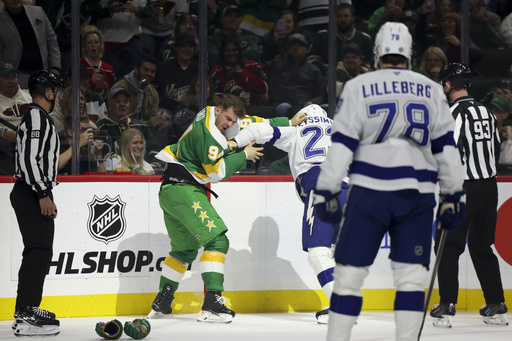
(442, 240)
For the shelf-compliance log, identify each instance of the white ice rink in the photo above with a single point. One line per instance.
(372, 326)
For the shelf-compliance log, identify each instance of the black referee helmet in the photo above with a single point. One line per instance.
(459, 74)
(40, 80)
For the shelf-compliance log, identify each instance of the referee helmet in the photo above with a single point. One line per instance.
(459, 74)
(40, 80)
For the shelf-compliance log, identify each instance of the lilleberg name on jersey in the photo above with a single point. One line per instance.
(395, 87)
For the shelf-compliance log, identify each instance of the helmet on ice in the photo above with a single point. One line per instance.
(393, 38)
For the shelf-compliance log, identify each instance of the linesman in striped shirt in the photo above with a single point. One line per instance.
(478, 142)
(37, 159)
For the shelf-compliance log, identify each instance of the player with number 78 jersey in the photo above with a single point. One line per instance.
(394, 128)
(394, 108)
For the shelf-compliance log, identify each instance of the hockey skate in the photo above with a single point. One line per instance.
(495, 314)
(161, 306)
(32, 321)
(442, 314)
(322, 317)
(214, 309)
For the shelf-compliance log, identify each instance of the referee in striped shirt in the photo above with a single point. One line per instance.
(37, 158)
(478, 142)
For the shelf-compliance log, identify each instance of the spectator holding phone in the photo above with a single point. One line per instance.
(90, 148)
(63, 109)
(102, 74)
(274, 42)
(389, 12)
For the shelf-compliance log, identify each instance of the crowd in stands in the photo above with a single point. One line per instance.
(139, 59)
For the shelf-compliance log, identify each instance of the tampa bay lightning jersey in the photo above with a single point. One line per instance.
(394, 128)
(307, 143)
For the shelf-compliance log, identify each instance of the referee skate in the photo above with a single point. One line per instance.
(442, 315)
(32, 321)
(495, 314)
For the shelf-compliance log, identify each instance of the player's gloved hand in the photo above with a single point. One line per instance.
(137, 329)
(327, 207)
(452, 210)
(111, 330)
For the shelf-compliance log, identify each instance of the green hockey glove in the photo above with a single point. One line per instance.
(137, 329)
(111, 330)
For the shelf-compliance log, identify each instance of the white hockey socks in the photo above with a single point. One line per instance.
(322, 261)
(346, 301)
(410, 282)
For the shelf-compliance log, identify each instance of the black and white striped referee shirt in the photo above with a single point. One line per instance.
(37, 150)
(477, 138)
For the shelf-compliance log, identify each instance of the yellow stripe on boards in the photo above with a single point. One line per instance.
(269, 301)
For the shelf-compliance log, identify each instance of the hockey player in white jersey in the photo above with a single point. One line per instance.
(307, 144)
(393, 127)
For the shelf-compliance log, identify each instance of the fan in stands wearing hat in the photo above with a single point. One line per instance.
(351, 65)
(118, 120)
(230, 21)
(298, 37)
(185, 38)
(232, 8)
(173, 80)
(291, 80)
(412, 21)
(13, 101)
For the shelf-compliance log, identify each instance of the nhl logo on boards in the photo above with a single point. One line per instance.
(106, 221)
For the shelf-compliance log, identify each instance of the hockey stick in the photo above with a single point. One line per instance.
(440, 249)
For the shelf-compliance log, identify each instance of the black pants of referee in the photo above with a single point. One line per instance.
(37, 232)
(479, 228)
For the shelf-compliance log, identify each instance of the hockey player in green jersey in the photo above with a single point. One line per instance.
(201, 156)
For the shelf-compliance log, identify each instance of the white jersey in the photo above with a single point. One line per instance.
(306, 144)
(395, 129)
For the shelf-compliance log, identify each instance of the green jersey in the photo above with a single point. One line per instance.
(203, 150)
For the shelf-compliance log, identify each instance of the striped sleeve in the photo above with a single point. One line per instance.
(38, 152)
(477, 139)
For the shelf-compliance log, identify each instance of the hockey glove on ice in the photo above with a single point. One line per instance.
(327, 207)
(452, 210)
(137, 329)
(111, 330)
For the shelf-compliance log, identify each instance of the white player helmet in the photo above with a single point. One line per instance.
(393, 38)
(313, 110)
